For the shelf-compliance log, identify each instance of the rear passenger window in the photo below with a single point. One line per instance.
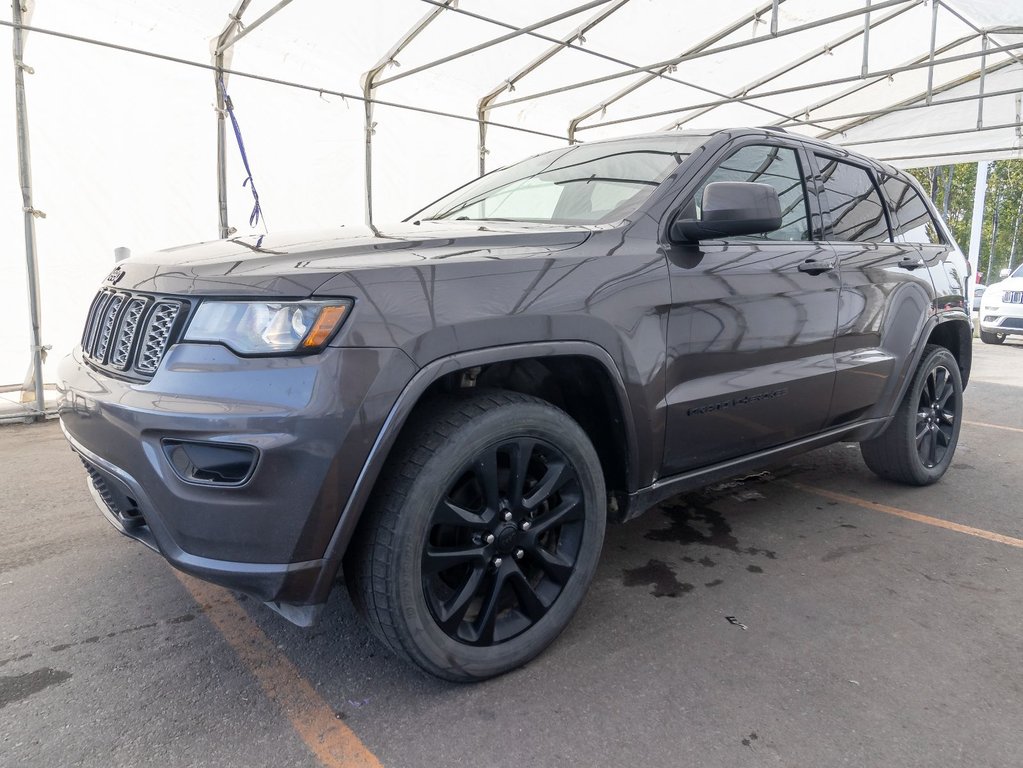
(857, 214)
(779, 167)
(913, 222)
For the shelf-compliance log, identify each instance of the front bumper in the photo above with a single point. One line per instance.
(1002, 318)
(309, 421)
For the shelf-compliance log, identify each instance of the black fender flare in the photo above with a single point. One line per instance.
(407, 401)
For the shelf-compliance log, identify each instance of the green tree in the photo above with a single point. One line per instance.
(951, 187)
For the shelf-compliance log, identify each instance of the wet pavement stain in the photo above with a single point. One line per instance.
(838, 552)
(22, 657)
(748, 741)
(17, 687)
(692, 522)
(754, 569)
(660, 576)
(715, 583)
(184, 618)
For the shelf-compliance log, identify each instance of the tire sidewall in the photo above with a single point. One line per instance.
(430, 645)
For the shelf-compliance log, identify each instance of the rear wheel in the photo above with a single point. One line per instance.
(918, 445)
(992, 338)
(483, 536)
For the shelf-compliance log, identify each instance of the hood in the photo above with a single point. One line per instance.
(296, 264)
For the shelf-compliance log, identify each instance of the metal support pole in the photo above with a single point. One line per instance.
(983, 73)
(369, 85)
(934, 42)
(234, 22)
(865, 67)
(223, 228)
(224, 44)
(483, 107)
(774, 18)
(30, 213)
(976, 227)
(1015, 233)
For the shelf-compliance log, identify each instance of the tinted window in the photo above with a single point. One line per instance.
(857, 214)
(584, 184)
(912, 220)
(779, 167)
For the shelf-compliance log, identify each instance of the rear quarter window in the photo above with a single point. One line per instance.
(912, 221)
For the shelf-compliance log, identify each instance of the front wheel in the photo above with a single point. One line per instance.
(483, 535)
(918, 445)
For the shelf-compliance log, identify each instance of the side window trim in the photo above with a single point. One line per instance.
(828, 227)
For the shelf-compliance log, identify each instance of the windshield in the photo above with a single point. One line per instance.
(583, 184)
(1018, 272)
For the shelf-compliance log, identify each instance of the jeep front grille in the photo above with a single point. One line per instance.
(1012, 297)
(128, 332)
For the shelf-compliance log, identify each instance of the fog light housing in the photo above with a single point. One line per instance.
(210, 463)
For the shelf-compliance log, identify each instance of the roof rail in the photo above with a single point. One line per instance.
(773, 129)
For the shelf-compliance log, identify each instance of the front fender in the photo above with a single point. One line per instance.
(410, 396)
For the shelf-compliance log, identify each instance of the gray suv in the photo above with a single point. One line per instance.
(449, 410)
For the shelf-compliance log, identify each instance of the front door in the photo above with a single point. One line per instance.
(751, 327)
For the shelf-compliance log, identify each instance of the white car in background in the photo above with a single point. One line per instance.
(1001, 309)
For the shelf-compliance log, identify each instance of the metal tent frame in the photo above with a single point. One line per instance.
(818, 119)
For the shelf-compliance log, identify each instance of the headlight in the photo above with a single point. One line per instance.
(268, 327)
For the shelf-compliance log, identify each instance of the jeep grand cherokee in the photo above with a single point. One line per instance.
(451, 408)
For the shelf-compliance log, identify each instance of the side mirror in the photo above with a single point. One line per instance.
(729, 209)
(1004, 274)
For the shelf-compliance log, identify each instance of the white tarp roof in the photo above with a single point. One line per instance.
(124, 146)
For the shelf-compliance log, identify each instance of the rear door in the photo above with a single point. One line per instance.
(886, 289)
(752, 322)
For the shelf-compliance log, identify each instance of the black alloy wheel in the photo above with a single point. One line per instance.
(504, 541)
(482, 536)
(936, 416)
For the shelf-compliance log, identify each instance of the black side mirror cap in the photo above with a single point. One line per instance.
(730, 209)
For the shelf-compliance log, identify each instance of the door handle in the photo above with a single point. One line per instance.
(816, 266)
(910, 262)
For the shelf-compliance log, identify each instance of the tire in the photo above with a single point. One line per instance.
(918, 445)
(454, 568)
(992, 338)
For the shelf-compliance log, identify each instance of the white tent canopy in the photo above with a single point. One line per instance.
(124, 145)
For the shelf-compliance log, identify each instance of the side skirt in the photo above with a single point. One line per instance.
(639, 502)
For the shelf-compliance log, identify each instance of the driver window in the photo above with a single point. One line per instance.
(779, 167)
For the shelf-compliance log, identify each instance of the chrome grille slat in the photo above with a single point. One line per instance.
(107, 326)
(129, 332)
(1012, 297)
(126, 332)
(96, 320)
(158, 330)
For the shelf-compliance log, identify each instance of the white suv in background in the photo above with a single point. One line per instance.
(1001, 310)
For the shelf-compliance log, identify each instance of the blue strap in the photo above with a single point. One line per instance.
(257, 212)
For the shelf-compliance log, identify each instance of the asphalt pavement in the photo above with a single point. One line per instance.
(813, 615)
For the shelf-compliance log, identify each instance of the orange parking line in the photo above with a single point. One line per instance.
(992, 426)
(905, 513)
(333, 743)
